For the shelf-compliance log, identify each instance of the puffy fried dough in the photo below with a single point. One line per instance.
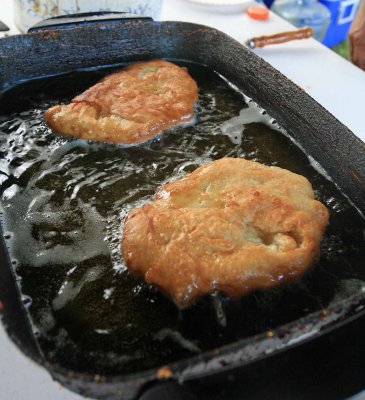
(232, 225)
(129, 106)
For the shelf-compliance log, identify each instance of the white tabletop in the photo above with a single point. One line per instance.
(329, 79)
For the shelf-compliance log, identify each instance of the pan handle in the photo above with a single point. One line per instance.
(82, 19)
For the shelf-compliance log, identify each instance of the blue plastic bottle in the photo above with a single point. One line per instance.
(305, 13)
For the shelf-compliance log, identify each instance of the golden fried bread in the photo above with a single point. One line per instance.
(129, 106)
(232, 225)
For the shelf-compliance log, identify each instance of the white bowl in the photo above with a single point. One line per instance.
(29, 12)
(221, 6)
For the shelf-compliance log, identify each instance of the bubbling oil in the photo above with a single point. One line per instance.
(63, 203)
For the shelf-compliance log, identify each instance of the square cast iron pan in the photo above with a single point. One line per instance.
(113, 41)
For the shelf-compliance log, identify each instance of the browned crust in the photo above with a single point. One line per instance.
(129, 106)
(232, 225)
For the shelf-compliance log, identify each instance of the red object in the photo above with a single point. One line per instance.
(1, 306)
(258, 12)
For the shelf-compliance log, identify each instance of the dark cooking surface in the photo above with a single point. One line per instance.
(63, 202)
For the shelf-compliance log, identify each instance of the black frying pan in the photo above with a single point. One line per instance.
(72, 46)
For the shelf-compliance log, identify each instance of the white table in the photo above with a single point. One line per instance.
(329, 79)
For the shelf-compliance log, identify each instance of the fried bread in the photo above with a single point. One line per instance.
(129, 106)
(232, 226)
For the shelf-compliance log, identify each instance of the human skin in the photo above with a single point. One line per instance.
(357, 37)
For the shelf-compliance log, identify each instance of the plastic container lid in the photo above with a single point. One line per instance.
(258, 12)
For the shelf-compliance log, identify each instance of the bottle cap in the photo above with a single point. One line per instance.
(258, 12)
